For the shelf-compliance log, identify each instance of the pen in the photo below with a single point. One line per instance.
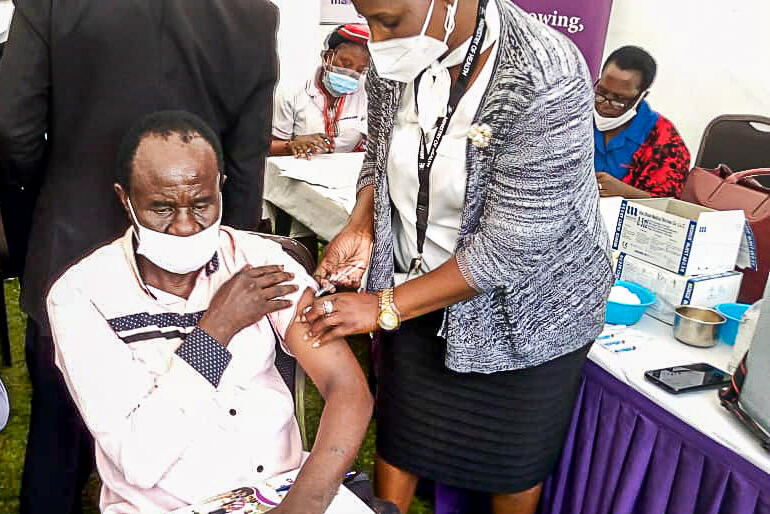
(628, 349)
(286, 487)
(613, 343)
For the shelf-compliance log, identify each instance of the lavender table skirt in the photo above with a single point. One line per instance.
(624, 454)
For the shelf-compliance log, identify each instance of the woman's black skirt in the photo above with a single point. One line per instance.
(496, 433)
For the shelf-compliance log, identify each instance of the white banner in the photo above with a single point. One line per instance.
(337, 12)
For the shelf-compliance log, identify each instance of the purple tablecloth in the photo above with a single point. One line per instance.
(624, 454)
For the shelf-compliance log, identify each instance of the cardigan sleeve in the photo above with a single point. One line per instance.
(374, 90)
(661, 164)
(541, 179)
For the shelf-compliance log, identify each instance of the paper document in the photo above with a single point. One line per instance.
(265, 496)
(334, 171)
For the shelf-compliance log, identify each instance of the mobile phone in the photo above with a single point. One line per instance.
(690, 377)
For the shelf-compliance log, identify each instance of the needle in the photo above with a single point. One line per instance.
(336, 278)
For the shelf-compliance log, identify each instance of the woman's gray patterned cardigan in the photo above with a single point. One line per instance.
(531, 239)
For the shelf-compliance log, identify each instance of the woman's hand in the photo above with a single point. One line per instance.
(305, 146)
(610, 186)
(341, 315)
(345, 259)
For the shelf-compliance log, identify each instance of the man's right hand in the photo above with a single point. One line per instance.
(245, 299)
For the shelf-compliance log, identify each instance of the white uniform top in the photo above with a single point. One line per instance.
(448, 176)
(301, 113)
(176, 416)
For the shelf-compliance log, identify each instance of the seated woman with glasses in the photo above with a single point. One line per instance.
(638, 152)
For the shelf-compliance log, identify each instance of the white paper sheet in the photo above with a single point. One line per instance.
(333, 171)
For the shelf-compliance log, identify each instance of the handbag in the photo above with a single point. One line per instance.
(722, 189)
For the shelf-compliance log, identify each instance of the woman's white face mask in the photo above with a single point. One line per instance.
(402, 59)
(604, 123)
(177, 254)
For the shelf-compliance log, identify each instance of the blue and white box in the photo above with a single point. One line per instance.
(672, 289)
(680, 237)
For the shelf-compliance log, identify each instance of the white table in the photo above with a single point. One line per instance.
(319, 193)
(656, 348)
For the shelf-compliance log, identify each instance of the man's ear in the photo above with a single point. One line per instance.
(122, 198)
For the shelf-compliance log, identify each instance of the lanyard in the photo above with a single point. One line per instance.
(332, 111)
(427, 155)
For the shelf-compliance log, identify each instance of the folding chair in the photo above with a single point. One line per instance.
(290, 370)
(740, 141)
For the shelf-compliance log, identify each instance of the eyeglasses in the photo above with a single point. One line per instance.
(615, 104)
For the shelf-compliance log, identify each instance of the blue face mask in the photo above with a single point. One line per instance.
(341, 81)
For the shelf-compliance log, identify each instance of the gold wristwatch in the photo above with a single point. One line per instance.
(389, 318)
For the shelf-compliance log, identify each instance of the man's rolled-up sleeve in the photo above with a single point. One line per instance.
(536, 178)
(142, 419)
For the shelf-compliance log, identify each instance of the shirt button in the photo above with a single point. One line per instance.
(260, 468)
(233, 412)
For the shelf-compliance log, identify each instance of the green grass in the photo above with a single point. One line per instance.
(14, 438)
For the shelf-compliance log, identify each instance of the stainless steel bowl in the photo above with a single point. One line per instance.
(697, 326)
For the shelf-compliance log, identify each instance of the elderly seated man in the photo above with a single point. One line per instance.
(166, 340)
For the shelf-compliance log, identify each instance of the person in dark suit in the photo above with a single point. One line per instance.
(73, 78)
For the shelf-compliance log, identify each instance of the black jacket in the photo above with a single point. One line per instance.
(81, 71)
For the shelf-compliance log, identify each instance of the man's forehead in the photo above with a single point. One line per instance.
(174, 159)
(166, 149)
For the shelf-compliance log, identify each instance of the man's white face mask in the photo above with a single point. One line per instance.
(402, 59)
(177, 254)
(604, 124)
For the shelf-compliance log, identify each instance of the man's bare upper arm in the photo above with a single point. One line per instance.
(330, 364)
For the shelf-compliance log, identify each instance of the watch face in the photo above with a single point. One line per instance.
(388, 321)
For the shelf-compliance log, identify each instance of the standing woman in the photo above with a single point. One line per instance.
(479, 177)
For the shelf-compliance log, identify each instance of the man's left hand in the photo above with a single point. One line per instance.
(351, 314)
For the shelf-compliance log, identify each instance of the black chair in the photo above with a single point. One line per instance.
(291, 372)
(742, 142)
